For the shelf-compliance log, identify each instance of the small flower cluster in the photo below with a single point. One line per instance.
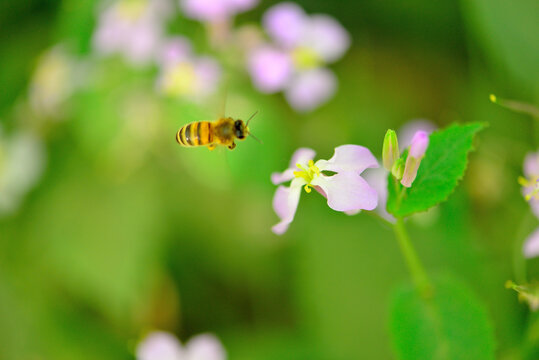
(135, 30)
(184, 75)
(339, 179)
(132, 28)
(160, 345)
(294, 62)
(530, 191)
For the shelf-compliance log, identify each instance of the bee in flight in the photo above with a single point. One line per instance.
(223, 131)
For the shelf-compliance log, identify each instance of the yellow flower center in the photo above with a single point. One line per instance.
(132, 9)
(308, 174)
(305, 58)
(180, 80)
(532, 182)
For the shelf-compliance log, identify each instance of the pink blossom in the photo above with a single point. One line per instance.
(160, 345)
(345, 190)
(132, 28)
(215, 10)
(294, 62)
(185, 75)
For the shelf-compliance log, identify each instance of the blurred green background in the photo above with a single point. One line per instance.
(126, 231)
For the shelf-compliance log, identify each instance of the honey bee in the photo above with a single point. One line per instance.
(223, 131)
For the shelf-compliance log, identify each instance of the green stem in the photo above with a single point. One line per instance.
(417, 270)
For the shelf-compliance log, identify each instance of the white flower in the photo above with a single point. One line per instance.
(160, 345)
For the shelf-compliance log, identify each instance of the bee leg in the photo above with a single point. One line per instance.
(232, 146)
(211, 146)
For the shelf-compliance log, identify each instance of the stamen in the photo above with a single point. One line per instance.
(307, 174)
(533, 183)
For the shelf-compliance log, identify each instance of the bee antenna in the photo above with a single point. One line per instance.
(254, 137)
(252, 116)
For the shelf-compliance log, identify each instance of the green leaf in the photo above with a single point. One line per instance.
(439, 173)
(453, 324)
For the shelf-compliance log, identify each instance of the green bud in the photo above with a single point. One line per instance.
(390, 151)
(398, 169)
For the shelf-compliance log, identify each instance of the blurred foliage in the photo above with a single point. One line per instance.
(127, 232)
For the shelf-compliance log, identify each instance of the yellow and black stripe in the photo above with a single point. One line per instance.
(195, 134)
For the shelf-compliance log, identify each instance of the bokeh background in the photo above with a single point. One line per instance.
(124, 231)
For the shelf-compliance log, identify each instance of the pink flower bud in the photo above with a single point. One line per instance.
(420, 141)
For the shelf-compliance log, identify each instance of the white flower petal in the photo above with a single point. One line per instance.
(531, 246)
(326, 37)
(285, 23)
(159, 345)
(310, 89)
(204, 347)
(531, 165)
(349, 158)
(285, 203)
(377, 179)
(347, 191)
(301, 156)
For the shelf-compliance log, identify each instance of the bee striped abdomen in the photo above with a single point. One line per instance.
(195, 134)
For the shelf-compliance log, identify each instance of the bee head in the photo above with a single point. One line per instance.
(240, 129)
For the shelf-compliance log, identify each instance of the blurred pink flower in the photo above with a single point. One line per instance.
(161, 345)
(182, 74)
(345, 190)
(530, 185)
(530, 191)
(215, 10)
(132, 28)
(294, 62)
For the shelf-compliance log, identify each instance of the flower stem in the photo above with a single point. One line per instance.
(417, 270)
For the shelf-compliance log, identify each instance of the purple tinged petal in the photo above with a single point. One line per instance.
(310, 89)
(410, 171)
(285, 23)
(531, 165)
(300, 156)
(285, 203)
(159, 345)
(531, 246)
(142, 44)
(349, 158)
(270, 69)
(279, 178)
(326, 37)
(215, 10)
(205, 10)
(347, 191)
(174, 50)
(377, 179)
(204, 347)
(420, 141)
(408, 130)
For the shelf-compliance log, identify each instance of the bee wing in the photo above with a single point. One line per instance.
(224, 97)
